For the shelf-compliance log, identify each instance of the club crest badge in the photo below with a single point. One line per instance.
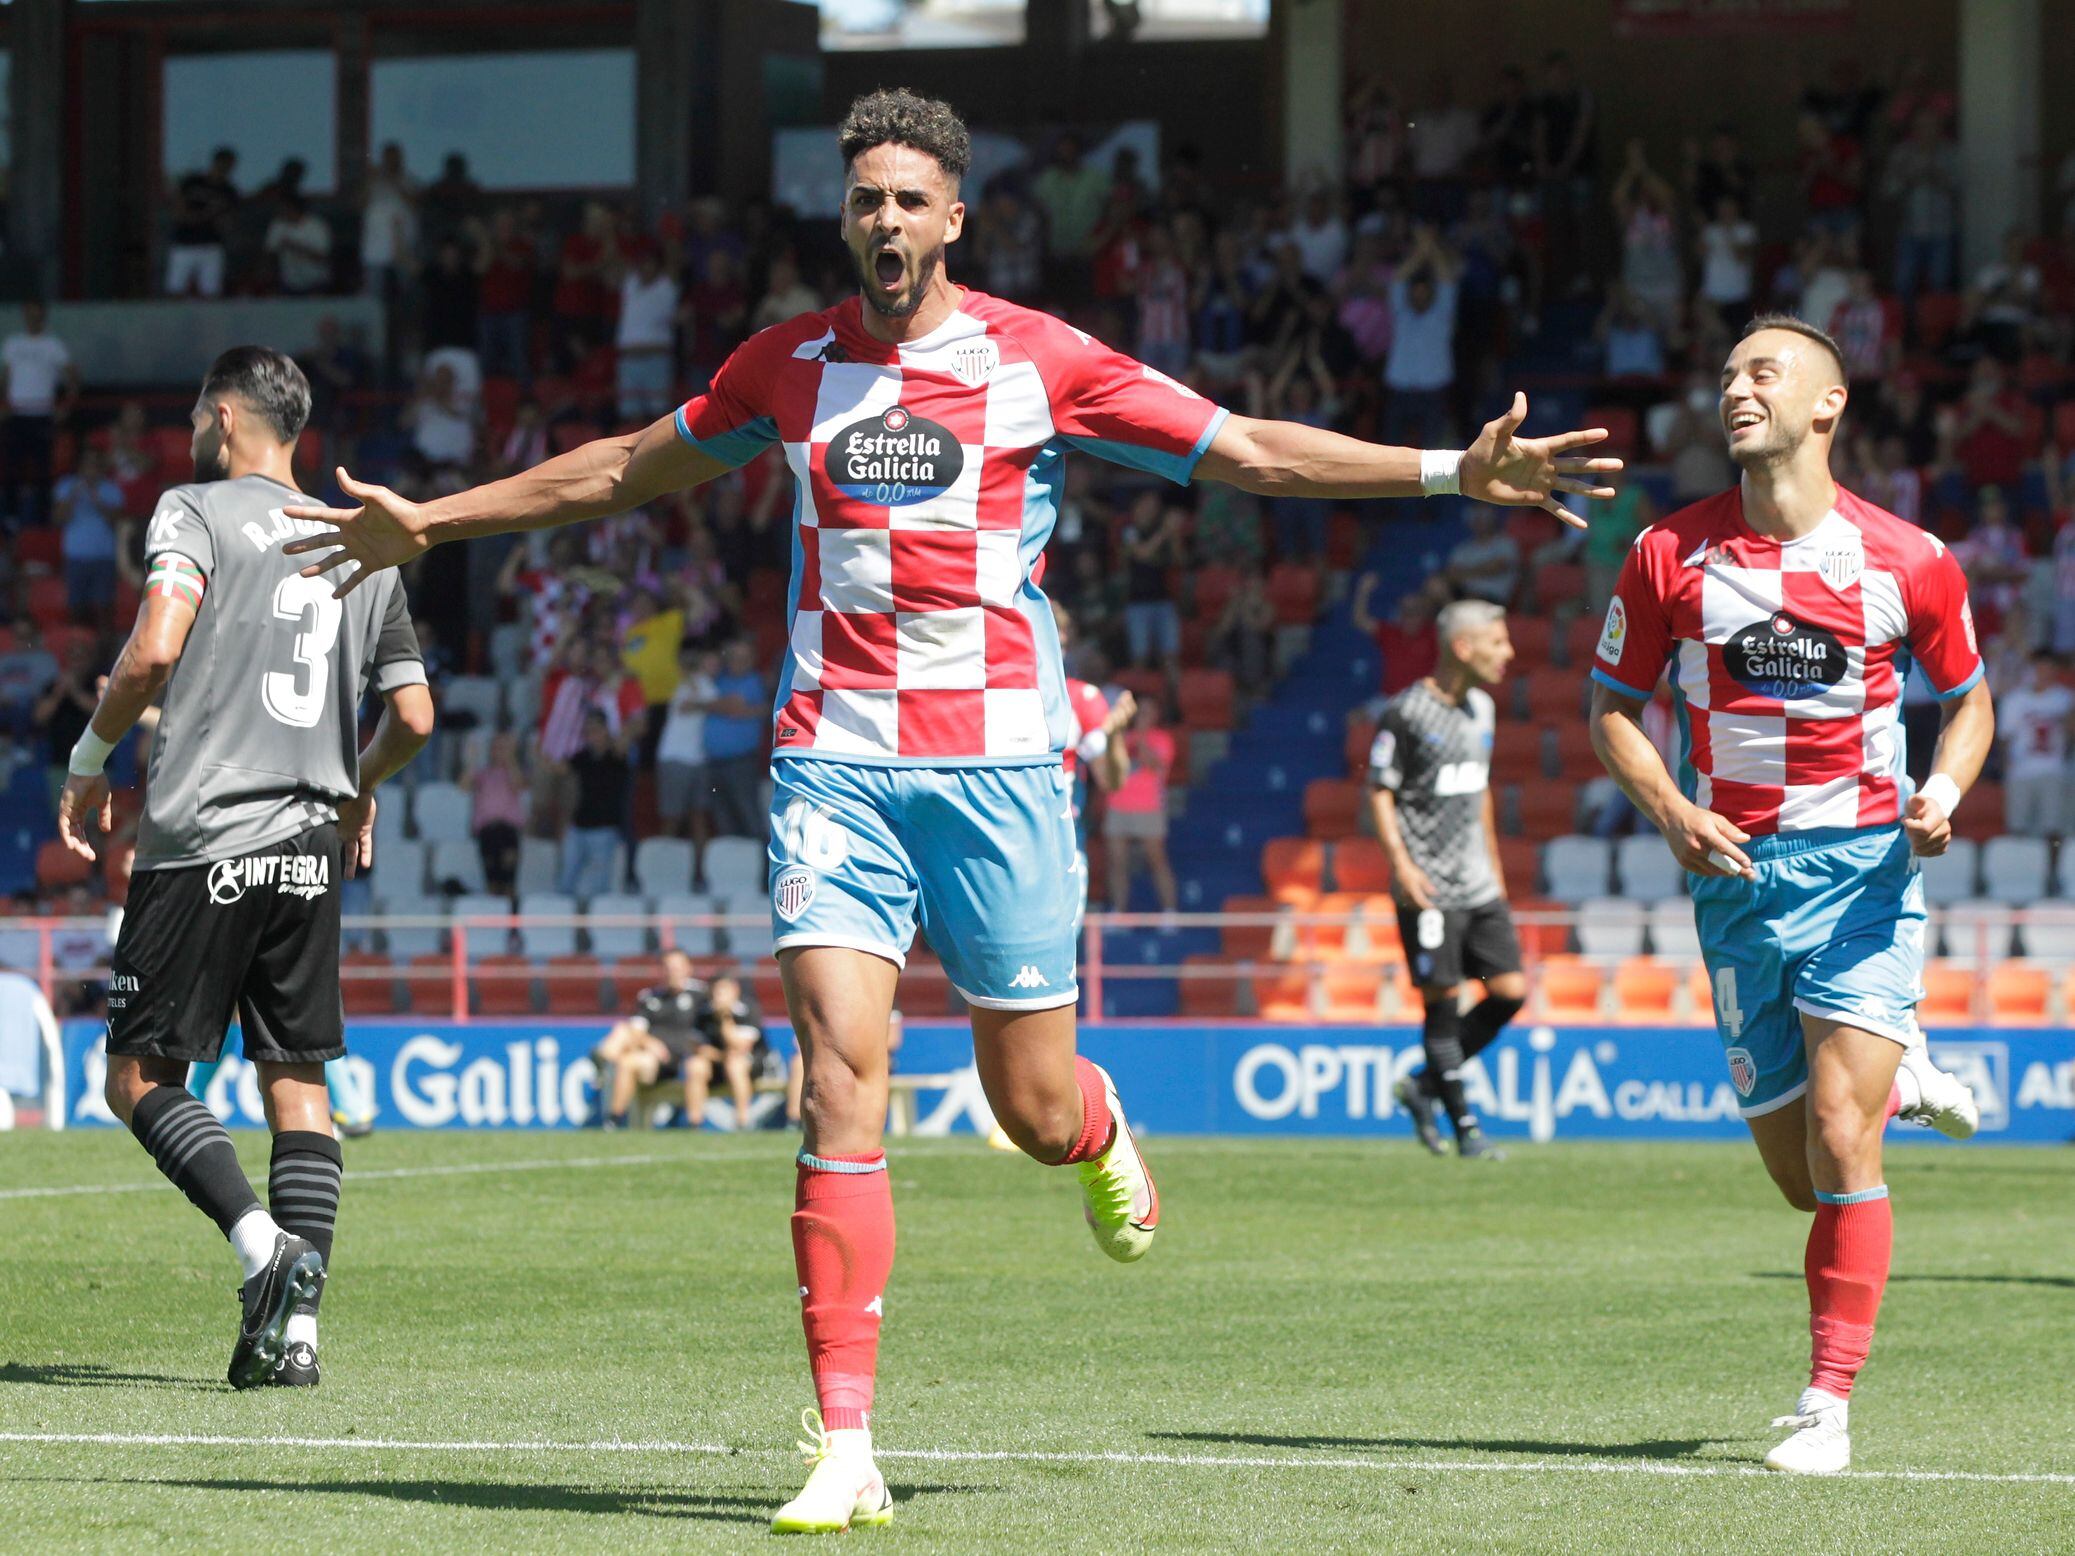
(792, 892)
(1743, 1070)
(973, 362)
(1842, 566)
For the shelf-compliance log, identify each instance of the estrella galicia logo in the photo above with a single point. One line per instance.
(1785, 659)
(894, 459)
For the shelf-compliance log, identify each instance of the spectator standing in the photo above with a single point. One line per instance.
(1485, 564)
(1151, 543)
(388, 226)
(1728, 247)
(65, 708)
(450, 302)
(787, 295)
(298, 241)
(1989, 432)
(442, 421)
(682, 783)
(1566, 129)
(1719, 172)
(452, 201)
(1405, 642)
(1163, 304)
(1136, 815)
(1631, 336)
(1992, 554)
(717, 307)
(586, 682)
(87, 504)
(1643, 204)
(1440, 141)
(738, 721)
(651, 631)
(2035, 721)
(1244, 635)
(1072, 195)
(1012, 245)
(336, 369)
(1832, 171)
(1864, 331)
(205, 203)
(497, 796)
(598, 819)
(27, 671)
(1320, 236)
(1922, 180)
(1610, 536)
(41, 385)
(1420, 368)
(647, 339)
(506, 264)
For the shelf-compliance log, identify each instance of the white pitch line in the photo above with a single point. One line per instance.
(1016, 1456)
(357, 1175)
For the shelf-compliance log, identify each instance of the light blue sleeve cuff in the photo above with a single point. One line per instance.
(1966, 686)
(1613, 685)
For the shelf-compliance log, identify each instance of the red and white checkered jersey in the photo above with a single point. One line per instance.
(1090, 711)
(927, 478)
(1782, 655)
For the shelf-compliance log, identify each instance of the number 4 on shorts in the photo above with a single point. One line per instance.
(1727, 1015)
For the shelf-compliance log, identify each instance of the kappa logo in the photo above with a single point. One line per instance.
(1614, 636)
(1743, 1070)
(298, 875)
(1028, 977)
(792, 892)
(877, 1306)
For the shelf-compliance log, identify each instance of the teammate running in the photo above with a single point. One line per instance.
(255, 801)
(1094, 756)
(1430, 792)
(1781, 607)
(922, 708)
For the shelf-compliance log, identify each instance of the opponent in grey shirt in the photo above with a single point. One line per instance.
(258, 738)
(1434, 755)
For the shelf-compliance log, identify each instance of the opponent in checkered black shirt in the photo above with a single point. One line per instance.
(1430, 795)
(1781, 612)
(921, 707)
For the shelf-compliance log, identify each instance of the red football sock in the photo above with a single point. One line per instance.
(1097, 1127)
(1849, 1249)
(843, 1251)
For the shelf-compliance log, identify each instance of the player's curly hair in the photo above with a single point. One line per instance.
(906, 118)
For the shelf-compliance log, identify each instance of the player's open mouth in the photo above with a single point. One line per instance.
(1740, 421)
(889, 269)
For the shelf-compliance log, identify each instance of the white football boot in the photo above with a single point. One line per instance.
(1822, 1442)
(1942, 1101)
(844, 1490)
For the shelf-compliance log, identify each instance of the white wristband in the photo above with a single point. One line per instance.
(1942, 792)
(90, 755)
(1440, 472)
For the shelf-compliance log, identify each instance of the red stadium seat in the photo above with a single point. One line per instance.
(1937, 316)
(1293, 862)
(1206, 698)
(2064, 424)
(49, 605)
(1548, 809)
(1581, 642)
(1570, 989)
(1326, 942)
(367, 983)
(1352, 992)
(1343, 541)
(1284, 996)
(2020, 994)
(428, 985)
(1555, 582)
(1624, 431)
(1533, 638)
(1551, 695)
(1380, 927)
(41, 546)
(1293, 590)
(1207, 987)
(503, 986)
(1333, 807)
(575, 986)
(1215, 586)
(1644, 989)
(1359, 864)
(1248, 942)
(1361, 735)
(1949, 993)
(58, 867)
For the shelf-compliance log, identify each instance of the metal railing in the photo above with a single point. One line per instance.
(1293, 965)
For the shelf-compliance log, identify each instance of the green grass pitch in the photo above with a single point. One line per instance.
(1334, 1345)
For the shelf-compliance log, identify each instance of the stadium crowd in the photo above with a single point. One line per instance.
(1467, 245)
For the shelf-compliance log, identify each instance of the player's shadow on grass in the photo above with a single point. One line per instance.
(748, 1507)
(92, 1375)
(2054, 1282)
(1667, 1448)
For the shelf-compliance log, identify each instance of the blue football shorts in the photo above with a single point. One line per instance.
(980, 859)
(1833, 927)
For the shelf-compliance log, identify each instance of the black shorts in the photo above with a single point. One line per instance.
(1443, 946)
(254, 939)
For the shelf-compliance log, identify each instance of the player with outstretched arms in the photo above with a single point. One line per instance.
(1781, 608)
(1430, 796)
(921, 707)
(258, 803)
